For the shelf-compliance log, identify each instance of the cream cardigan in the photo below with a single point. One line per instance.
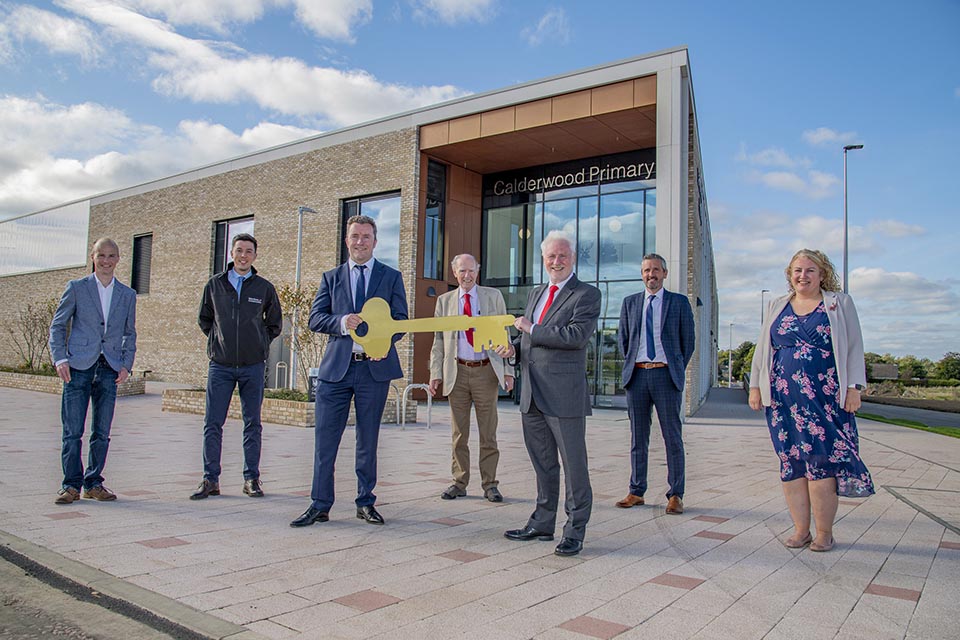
(845, 335)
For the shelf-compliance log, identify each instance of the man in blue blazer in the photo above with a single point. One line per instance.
(100, 313)
(347, 373)
(657, 336)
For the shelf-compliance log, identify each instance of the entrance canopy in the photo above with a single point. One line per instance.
(593, 122)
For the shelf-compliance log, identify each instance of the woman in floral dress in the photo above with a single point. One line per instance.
(808, 371)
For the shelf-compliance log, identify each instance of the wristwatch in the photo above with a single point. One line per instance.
(858, 387)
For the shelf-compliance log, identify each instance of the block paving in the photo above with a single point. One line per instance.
(232, 567)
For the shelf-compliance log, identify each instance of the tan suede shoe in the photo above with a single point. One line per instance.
(675, 505)
(630, 501)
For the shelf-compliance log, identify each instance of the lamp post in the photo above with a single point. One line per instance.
(730, 360)
(846, 148)
(294, 355)
(762, 291)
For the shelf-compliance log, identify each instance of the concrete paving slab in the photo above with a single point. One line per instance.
(445, 564)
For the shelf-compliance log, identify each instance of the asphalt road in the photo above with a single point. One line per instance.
(924, 416)
(31, 609)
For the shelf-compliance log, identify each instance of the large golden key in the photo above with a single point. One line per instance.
(488, 331)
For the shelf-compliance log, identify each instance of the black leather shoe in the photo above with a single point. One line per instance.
(253, 488)
(206, 488)
(369, 514)
(568, 547)
(452, 492)
(310, 516)
(493, 495)
(527, 533)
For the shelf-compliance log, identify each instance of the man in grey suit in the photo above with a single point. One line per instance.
(469, 378)
(100, 312)
(559, 321)
(657, 336)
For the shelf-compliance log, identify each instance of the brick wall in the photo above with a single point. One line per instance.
(134, 386)
(299, 414)
(181, 219)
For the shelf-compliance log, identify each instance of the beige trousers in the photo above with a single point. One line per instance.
(475, 386)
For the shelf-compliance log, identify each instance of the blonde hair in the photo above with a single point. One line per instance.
(828, 273)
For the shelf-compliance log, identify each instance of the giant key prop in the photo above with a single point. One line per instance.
(488, 331)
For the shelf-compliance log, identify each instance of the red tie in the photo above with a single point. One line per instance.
(546, 307)
(468, 311)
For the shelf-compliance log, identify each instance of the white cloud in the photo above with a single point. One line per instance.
(824, 136)
(771, 157)
(454, 11)
(553, 27)
(895, 228)
(334, 19)
(901, 311)
(217, 72)
(816, 184)
(56, 153)
(56, 33)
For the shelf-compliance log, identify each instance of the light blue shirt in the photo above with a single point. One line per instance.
(236, 280)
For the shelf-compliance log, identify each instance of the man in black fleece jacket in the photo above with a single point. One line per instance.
(240, 315)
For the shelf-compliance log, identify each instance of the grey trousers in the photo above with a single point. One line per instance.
(551, 440)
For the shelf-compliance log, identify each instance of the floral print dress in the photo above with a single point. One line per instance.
(812, 434)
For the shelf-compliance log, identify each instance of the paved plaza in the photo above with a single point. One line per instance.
(231, 566)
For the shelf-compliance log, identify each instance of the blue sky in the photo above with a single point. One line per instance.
(97, 95)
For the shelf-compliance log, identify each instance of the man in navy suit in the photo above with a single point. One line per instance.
(100, 313)
(657, 337)
(347, 373)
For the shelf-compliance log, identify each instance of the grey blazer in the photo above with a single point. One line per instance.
(553, 357)
(80, 311)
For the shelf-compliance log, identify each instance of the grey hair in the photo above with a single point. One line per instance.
(453, 263)
(557, 235)
(657, 256)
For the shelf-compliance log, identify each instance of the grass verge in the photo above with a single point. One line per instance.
(944, 431)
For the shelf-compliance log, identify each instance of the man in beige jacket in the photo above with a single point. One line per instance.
(469, 378)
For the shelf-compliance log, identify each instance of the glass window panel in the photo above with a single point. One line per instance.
(536, 260)
(572, 192)
(433, 222)
(621, 235)
(628, 185)
(386, 212)
(587, 240)
(48, 240)
(613, 295)
(503, 260)
(610, 365)
(650, 246)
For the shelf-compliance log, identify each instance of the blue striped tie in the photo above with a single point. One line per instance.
(361, 295)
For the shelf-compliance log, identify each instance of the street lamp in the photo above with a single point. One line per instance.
(846, 148)
(762, 291)
(296, 285)
(730, 360)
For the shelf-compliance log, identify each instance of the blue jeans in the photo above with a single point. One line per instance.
(221, 381)
(99, 385)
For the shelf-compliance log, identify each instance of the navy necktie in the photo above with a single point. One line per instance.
(240, 286)
(651, 345)
(361, 295)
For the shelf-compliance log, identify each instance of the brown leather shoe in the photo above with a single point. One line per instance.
(100, 493)
(67, 495)
(675, 505)
(630, 501)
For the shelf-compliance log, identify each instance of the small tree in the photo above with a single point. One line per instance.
(913, 367)
(949, 367)
(30, 332)
(295, 303)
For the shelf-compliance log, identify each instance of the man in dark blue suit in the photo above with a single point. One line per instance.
(657, 336)
(347, 373)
